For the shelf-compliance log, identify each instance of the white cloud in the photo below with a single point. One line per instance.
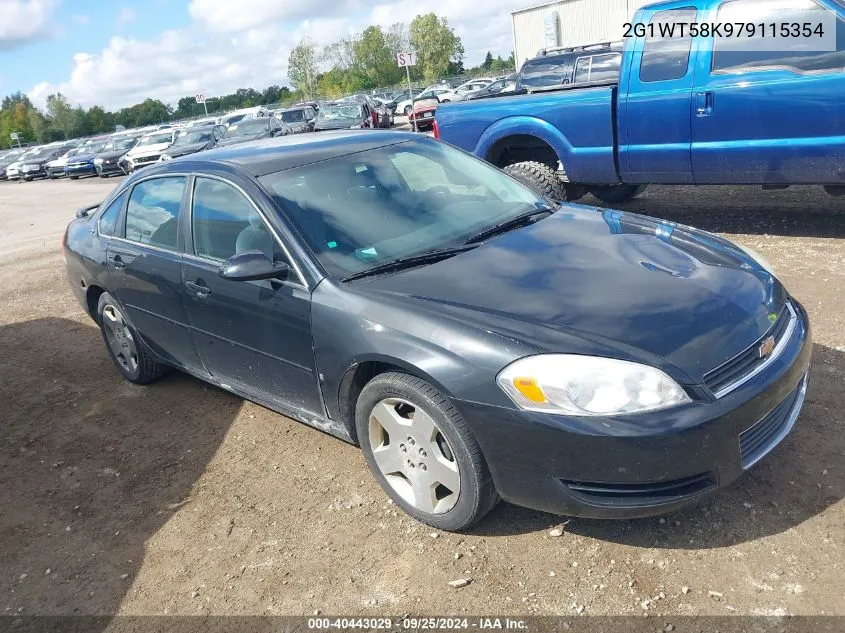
(228, 48)
(125, 16)
(81, 20)
(23, 21)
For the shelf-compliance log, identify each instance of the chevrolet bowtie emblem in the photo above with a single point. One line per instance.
(766, 347)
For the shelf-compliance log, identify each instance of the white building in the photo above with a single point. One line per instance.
(570, 23)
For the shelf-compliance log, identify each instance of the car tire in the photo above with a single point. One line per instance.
(128, 351)
(613, 194)
(539, 177)
(433, 436)
(74, 177)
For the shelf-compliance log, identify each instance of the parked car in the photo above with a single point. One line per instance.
(56, 168)
(385, 115)
(107, 161)
(9, 158)
(13, 169)
(680, 114)
(195, 139)
(423, 113)
(253, 130)
(242, 115)
(35, 166)
(343, 115)
(555, 67)
(400, 95)
(82, 163)
(459, 93)
(498, 87)
(148, 150)
(474, 340)
(406, 105)
(298, 118)
(369, 107)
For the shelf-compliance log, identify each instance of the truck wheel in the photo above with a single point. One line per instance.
(617, 193)
(539, 177)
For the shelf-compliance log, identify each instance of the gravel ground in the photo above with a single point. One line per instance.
(178, 498)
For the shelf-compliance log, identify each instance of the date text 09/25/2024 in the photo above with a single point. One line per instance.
(418, 623)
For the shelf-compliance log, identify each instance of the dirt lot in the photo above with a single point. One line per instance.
(179, 498)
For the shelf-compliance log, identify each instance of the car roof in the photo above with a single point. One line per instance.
(277, 154)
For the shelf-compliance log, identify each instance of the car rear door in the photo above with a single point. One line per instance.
(655, 94)
(253, 335)
(144, 261)
(769, 111)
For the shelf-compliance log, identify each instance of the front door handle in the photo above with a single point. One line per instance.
(117, 262)
(704, 103)
(200, 289)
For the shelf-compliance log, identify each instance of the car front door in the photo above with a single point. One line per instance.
(769, 111)
(252, 335)
(654, 108)
(144, 261)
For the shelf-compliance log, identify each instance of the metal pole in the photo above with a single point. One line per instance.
(411, 95)
(205, 106)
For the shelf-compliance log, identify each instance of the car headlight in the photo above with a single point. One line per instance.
(98, 161)
(567, 384)
(757, 257)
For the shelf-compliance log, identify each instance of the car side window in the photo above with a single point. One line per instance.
(667, 58)
(739, 54)
(152, 216)
(225, 223)
(107, 223)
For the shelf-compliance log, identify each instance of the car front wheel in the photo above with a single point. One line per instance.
(134, 360)
(422, 452)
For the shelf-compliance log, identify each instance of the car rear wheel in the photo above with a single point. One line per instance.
(613, 194)
(422, 453)
(134, 360)
(74, 177)
(539, 177)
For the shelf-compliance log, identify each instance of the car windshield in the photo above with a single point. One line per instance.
(94, 148)
(194, 137)
(293, 116)
(155, 139)
(11, 156)
(119, 144)
(339, 111)
(247, 128)
(362, 210)
(235, 119)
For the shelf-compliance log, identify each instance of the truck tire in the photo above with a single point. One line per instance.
(539, 177)
(613, 194)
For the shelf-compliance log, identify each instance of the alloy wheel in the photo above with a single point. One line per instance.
(414, 456)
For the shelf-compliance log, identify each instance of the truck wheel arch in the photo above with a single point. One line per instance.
(520, 139)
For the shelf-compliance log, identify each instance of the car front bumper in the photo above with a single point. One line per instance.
(37, 173)
(637, 466)
(111, 167)
(80, 170)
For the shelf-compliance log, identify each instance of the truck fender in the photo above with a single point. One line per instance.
(524, 125)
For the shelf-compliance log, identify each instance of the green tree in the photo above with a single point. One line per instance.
(436, 45)
(63, 117)
(488, 61)
(37, 123)
(374, 60)
(302, 67)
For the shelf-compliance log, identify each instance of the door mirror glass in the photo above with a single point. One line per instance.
(252, 265)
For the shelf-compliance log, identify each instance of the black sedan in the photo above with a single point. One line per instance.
(195, 139)
(254, 129)
(107, 161)
(476, 340)
(36, 165)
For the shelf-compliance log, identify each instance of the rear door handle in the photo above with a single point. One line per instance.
(704, 103)
(200, 289)
(117, 262)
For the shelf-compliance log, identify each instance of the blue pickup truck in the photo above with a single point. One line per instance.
(683, 111)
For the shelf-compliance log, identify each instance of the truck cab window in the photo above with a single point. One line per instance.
(666, 57)
(734, 55)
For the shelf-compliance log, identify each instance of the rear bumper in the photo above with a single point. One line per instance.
(629, 467)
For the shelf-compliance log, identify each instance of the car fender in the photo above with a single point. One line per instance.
(524, 125)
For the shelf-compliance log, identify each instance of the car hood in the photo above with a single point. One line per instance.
(634, 287)
(110, 155)
(175, 151)
(234, 140)
(336, 124)
(81, 158)
(144, 150)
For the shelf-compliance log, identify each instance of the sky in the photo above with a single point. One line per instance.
(116, 53)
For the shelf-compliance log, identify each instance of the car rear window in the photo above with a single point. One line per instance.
(544, 72)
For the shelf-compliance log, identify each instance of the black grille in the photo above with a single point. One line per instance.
(641, 494)
(146, 159)
(758, 440)
(746, 361)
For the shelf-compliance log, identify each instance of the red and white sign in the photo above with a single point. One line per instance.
(406, 59)
(200, 98)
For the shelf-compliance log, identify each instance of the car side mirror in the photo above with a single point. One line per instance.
(252, 265)
(84, 212)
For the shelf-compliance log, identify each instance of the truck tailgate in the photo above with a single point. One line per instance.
(579, 124)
